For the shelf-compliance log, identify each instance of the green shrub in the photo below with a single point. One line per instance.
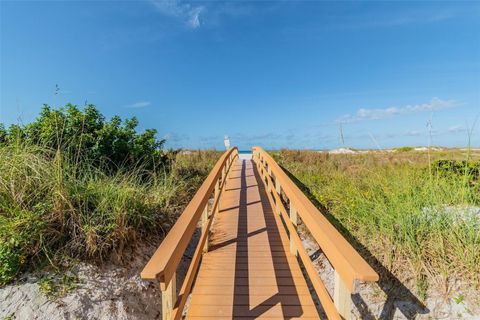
(75, 185)
(86, 135)
(471, 168)
(18, 232)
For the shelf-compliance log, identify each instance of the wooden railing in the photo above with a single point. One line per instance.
(348, 264)
(164, 263)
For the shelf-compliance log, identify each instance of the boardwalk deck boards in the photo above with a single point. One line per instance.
(249, 271)
(245, 265)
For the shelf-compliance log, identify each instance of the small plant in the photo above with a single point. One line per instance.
(57, 286)
(47, 287)
(459, 298)
(422, 287)
(10, 262)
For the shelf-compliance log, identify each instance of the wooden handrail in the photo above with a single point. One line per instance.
(348, 264)
(164, 262)
(296, 248)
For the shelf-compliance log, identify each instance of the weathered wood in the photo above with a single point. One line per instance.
(342, 298)
(169, 297)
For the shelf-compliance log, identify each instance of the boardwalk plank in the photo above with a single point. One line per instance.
(249, 272)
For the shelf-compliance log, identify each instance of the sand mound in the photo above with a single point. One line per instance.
(342, 151)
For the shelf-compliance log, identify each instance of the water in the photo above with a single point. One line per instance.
(245, 154)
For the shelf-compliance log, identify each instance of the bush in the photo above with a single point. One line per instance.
(471, 169)
(88, 136)
(75, 185)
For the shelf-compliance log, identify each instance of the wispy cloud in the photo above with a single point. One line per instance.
(413, 133)
(176, 137)
(412, 18)
(364, 114)
(139, 104)
(189, 14)
(457, 128)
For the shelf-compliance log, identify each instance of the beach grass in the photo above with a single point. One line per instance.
(52, 206)
(419, 218)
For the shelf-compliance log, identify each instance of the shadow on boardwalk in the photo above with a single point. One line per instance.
(398, 295)
(266, 280)
(287, 299)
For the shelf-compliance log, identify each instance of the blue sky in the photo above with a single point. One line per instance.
(275, 74)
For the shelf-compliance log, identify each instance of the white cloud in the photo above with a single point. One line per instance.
(175, 137)
(191, 15)
(413, 133)
(363, 114)
(457, 128)
(194, 21)
(139, 104)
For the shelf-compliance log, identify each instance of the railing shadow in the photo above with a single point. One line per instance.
(397, 293)
(287, 296)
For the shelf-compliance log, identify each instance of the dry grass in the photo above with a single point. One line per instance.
(52, 208)
(417, 221)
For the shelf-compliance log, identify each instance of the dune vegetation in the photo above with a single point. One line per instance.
(74, 185)
(417, 213)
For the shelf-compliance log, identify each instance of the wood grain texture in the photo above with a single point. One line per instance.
(164, 262)
(345, 259)
(249, 272)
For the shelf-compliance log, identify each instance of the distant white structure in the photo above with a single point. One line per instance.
(226, 142)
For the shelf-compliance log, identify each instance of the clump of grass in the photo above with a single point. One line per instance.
(52, 206)
(56, 287)
(404, 149)
(413, 222)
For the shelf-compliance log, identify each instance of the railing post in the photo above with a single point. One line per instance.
(269, 172)
(342, 298)
(169, 297)
(278, 189)
(204, 226)
(217, 194)
(294, 220)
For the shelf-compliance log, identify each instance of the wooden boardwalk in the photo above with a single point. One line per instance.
(246, 263)
(249, 271)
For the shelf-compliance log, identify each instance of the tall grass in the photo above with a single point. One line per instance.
(418, 224)
(52, 205)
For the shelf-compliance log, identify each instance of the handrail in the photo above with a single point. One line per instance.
(164, 262)
(348, 264)
(296, 248)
